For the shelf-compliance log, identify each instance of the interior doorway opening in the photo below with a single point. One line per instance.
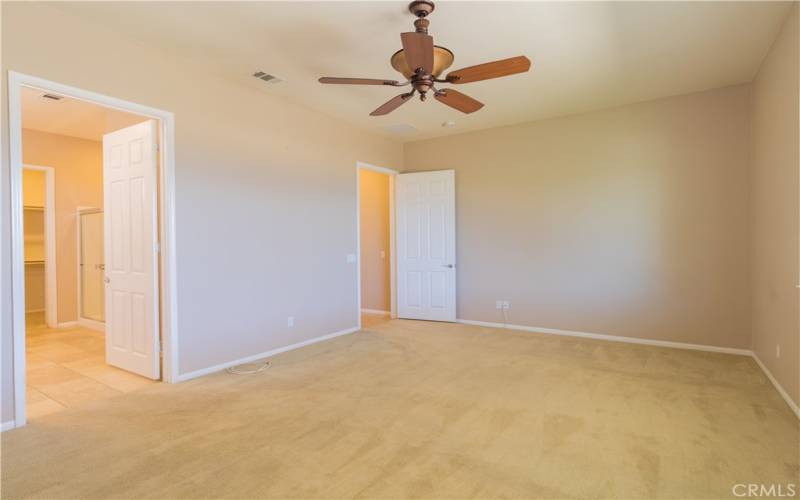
(69, 349)
(103, 229)
(91, 268)
(375, 244)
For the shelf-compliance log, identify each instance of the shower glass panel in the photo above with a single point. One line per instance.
(92, 266)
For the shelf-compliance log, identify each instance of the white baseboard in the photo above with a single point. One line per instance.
(7, 426)
(67, 324)
(794, 407)
(249, 359)
(92, 324)
(659, 343)
(612, 338)
(375, 311)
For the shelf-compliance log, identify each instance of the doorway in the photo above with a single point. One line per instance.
(40, 239)
(421, 250)
(113, 206)
(375, 193)
(91, 269)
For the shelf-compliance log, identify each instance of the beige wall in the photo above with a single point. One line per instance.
(375, 292)
(629, 221)
(34, 184)
(265, 190)
(776, 184)
(78, 167)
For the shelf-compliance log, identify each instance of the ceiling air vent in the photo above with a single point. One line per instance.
(52, 97)
(266, 77)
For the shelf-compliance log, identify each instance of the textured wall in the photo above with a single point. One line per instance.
(776, 209)
(631, 221)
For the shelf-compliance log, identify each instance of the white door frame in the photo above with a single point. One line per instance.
(166, 198)
(360, 165)
(50, 290)
(86, 322)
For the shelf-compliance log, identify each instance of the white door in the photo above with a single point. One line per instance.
(131, 298)
(426, 246)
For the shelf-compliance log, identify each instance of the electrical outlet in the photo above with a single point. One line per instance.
(498, 304)
(506, 304)
(290, 321)
(777, 350)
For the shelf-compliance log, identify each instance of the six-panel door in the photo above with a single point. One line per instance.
(426, 256)
(129, 183)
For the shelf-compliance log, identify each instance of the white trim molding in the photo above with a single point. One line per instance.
(168, 267)
(7, 426)
(67, 324)
(611, 338)
(255, 357)
(792, 405)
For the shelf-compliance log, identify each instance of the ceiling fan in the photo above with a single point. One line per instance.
(421, 63)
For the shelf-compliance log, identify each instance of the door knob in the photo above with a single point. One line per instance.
(450, 266)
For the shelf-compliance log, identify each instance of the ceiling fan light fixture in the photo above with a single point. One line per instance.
(442, 59)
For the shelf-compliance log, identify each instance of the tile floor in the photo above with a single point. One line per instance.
(66, 367)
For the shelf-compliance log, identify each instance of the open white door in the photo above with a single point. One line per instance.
(129, 183)
(426, 246)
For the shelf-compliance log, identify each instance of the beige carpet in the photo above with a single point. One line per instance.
(414, 409)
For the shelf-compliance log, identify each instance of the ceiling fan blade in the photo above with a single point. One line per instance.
(457, 100)
(356, 81)
(418, 49)
(494, 69)
(391, 105)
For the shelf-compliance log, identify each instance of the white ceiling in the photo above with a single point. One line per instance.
(586, 55)
(71, 117)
